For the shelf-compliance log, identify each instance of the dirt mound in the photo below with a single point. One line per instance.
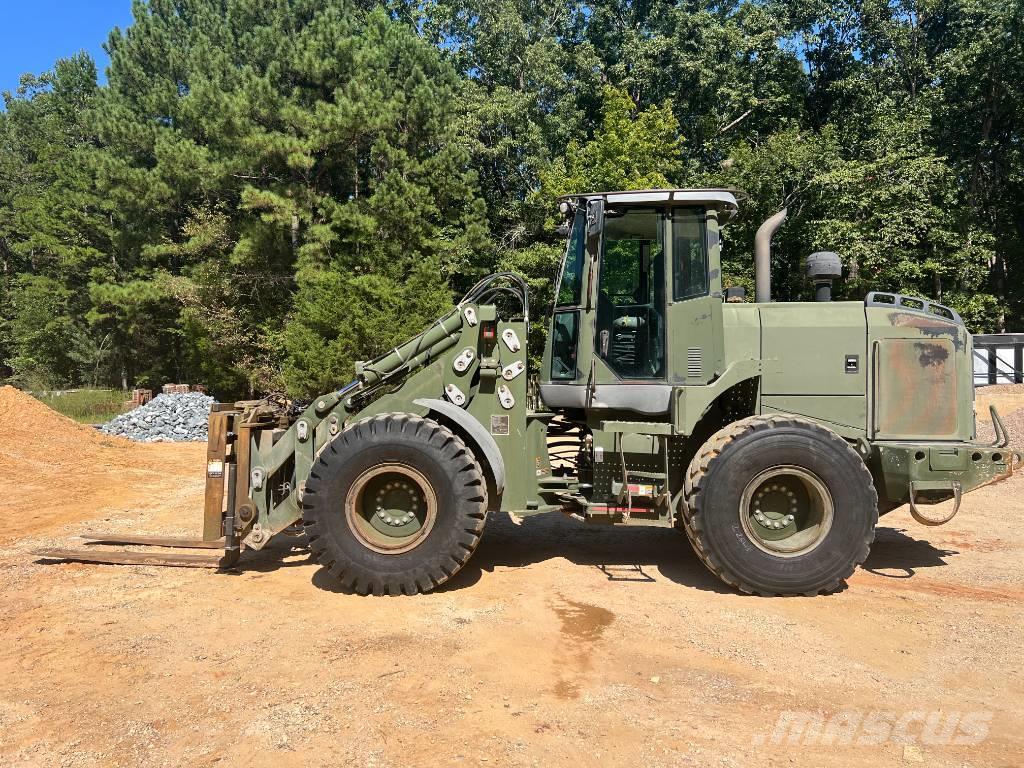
(51, 462)
(1001, 389)
(21, 413)
(31, 431)
(1009, 401)
(1014, 423)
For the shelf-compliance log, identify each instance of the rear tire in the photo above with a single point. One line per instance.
(395, 504)
(779, 505)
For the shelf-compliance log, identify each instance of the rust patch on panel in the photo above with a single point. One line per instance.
(931, 354)
(912, 373)
(932, 327)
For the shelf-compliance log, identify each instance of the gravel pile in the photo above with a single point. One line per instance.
(165, 419)
(1014, 423)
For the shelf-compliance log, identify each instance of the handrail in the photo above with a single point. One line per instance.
(1002, 436)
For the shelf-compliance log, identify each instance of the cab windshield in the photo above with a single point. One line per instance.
(570, 283)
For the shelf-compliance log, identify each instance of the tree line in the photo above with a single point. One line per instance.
(263, 193)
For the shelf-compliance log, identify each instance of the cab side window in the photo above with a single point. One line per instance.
(689, 253)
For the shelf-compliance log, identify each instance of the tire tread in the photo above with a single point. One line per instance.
(436, 570)
(714, 449)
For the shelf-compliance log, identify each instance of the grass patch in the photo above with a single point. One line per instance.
(88, 406)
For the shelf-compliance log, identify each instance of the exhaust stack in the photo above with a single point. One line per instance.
(763, 257)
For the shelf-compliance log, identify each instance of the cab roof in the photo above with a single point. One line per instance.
(723, 199)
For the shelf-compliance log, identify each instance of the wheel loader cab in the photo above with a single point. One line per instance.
(638, 303)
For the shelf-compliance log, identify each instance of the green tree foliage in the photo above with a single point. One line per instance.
(264, 193)
(54, 229)
(628, 151)
(43, 332)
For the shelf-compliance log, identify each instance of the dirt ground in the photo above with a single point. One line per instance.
(559, 644)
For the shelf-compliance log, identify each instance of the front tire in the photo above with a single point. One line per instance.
(779, 505)
(395, 504)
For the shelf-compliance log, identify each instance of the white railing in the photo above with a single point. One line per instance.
(998, 359)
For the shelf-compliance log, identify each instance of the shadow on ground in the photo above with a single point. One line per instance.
(632, 554)
(620, 553)
(897, 555)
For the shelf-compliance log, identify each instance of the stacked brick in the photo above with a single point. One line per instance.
(183, 389)
(139, 397)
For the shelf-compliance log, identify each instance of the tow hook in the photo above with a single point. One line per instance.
(941, 485)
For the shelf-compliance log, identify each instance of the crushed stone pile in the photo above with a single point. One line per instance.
(165, 419)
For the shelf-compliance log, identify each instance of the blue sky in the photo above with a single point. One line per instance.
(38, 32)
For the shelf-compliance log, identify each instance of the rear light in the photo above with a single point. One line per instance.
(489, 331)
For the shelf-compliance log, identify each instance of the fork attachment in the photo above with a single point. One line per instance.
(120, 557)
(218, 519)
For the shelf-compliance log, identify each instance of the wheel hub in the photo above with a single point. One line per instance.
(391, 508)
(786, 511)
(397, 503)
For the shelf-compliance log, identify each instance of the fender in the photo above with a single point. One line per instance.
(692, 402)
(475, 431)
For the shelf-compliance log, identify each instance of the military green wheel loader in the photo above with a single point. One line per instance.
(772, 434)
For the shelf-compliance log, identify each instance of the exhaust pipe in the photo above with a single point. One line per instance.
(763, 257)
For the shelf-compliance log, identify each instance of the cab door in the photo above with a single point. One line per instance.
(561, 361)
(630, 338)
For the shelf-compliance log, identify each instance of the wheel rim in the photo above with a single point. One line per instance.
(786, 511)
(391, 508)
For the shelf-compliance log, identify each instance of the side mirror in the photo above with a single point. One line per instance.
(595, 216)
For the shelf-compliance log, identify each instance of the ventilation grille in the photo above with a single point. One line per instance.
(694, 363)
